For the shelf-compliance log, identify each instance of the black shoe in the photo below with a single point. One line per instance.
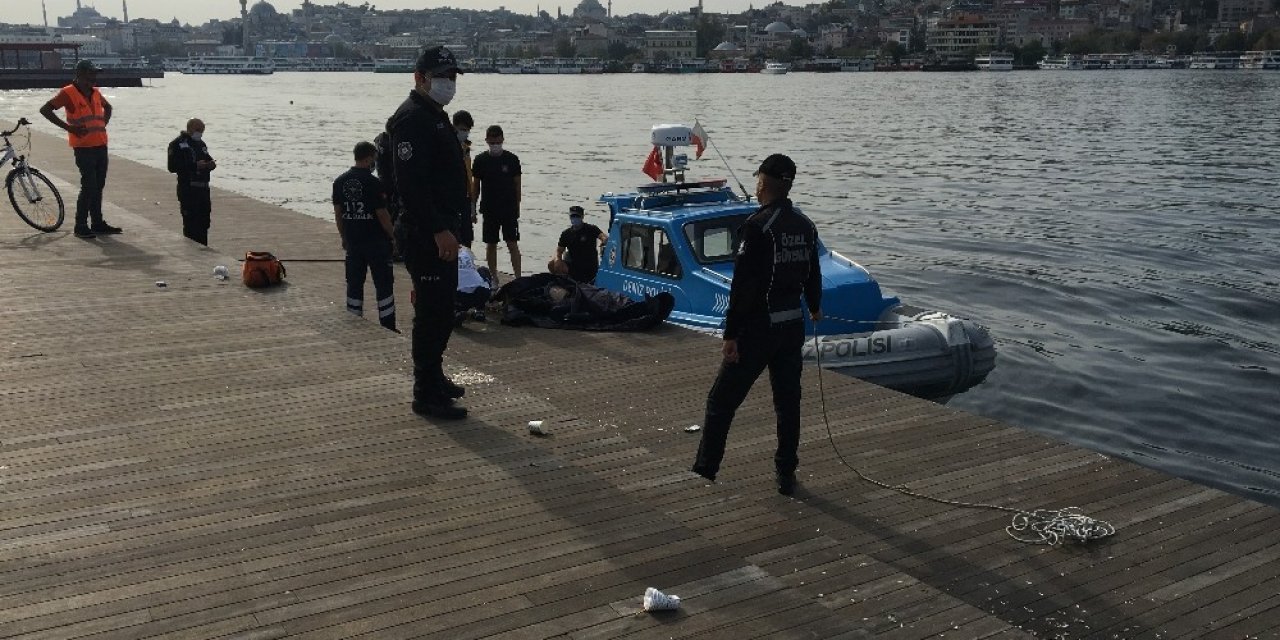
(786, 482)
(84, 232)
(459, 318)
(708, 476)
(477, 315)
(105, 229)
(450, 390)
(439, 408)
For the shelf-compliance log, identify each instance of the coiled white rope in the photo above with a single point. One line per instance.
(1051, 527)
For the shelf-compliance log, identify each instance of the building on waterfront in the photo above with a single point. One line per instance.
(83, 18)
(960, 37)
(662, 44)
(1241, 10)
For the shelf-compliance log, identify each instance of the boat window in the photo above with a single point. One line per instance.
(649, 249)
(715, 240)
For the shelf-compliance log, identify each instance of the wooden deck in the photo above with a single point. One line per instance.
(206, 461)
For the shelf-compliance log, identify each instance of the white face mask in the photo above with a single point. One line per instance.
(495, 149)
(463, 135)
(442, 90)
(196, 135)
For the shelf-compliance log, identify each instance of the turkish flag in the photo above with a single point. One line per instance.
(700, 139)
(653, 165)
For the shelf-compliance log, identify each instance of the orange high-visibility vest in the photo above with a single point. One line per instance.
(87, 113)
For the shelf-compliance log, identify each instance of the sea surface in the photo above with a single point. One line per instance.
(1119, 232)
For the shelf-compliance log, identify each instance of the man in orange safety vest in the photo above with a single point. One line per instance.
(88, 113)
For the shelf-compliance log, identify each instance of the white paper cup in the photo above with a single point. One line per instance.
(655, 600)
(535, 427)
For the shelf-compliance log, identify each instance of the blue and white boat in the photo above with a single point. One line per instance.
(679, 237)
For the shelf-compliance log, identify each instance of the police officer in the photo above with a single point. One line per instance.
(189, 158)
(776, 262)
(432, 184)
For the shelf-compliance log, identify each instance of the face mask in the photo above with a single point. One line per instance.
(463, 135)
(196, 135)
(442, 90)
(495, 149)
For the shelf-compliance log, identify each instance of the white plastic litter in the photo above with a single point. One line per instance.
(693, 428)
(535, 427)
(161, 283)
(220, 272)
(655, 600)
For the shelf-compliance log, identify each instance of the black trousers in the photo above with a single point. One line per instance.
(372, 256)
(92, 163)
(195, 206)
(761, 345)
(435, 284)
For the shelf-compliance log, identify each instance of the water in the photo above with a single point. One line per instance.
(1118, 232)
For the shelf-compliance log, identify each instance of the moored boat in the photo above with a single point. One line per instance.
(229, 65)
(776, 68)
(679, 237)
(994, 61)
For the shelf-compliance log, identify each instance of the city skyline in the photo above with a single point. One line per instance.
(201, 11)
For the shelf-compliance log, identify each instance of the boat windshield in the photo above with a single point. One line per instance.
(716, 239)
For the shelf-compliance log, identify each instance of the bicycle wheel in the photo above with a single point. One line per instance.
(35, 199)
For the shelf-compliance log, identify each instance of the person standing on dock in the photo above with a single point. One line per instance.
(189, 158)
(497, 182)
(360, 211)
(432, 183)
(464, 123)
(776, 263)
(88, 113)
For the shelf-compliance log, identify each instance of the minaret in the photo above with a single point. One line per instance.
(610, 8)
(126, 11)
(45, 11)
(244, 18)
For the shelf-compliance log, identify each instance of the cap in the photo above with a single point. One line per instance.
(576, 212)
(778, 166)
(437, 60)
(87, 66)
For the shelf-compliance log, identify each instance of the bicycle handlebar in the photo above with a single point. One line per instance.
(22, 122)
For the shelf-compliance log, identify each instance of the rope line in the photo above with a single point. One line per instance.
(1041, 526)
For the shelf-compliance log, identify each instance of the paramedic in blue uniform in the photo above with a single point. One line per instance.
(776, 264)
(432, 183)
(364, 224)
(189, 158)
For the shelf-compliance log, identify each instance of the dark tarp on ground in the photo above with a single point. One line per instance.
(528, 301)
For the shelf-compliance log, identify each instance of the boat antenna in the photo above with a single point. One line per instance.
(746, 194)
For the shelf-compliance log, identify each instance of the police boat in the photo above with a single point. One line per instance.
(678, 236)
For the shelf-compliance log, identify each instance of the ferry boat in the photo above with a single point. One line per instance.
(679, 237)
(859, 65)
(393, 65)
(1261, 60)
(776, 68)
(508, 66)
(639, 67)
(1068, 62)
(1218, 60)
(229, 65)
(994, 61)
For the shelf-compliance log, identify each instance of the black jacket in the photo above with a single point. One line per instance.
(184, 151)
(431, 179)
(777, 261)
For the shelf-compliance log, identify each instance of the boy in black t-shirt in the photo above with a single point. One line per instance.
(360, 211)
(582, 241)
(496, 175)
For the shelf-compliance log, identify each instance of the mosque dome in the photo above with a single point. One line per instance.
(800, 33)
(727, 46)
(778, 28)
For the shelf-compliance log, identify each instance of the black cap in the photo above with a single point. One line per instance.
(576, 212)
(87, 66)
(778, 166)
(437, 60)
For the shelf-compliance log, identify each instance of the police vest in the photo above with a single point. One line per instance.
(87, 113)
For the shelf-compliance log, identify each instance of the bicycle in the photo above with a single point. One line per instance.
(37, 210)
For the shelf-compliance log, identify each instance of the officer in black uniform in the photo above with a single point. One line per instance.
(776, 262)
(189, 158)
(432, 183)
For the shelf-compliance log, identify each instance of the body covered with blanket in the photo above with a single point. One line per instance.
(559, 302)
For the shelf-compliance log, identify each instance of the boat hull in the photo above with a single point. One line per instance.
(924, 353)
